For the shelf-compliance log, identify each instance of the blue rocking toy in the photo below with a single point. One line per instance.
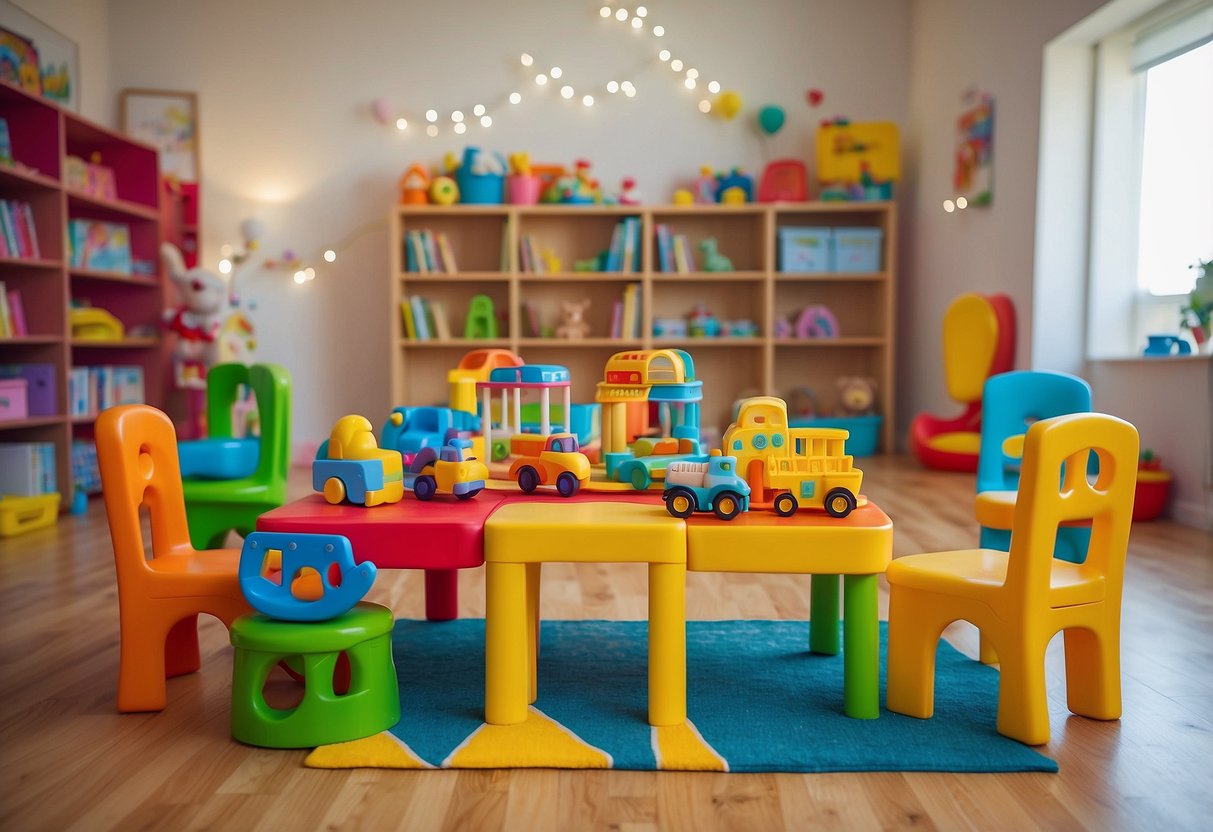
(343, 583)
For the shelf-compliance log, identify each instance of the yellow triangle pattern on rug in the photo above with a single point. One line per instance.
(382, 750)
(540, 742)
(683, 748)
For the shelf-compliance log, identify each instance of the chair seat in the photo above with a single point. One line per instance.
(208, 562)
(957, 442)
(365, 621)
(229, 491)
(982, 572)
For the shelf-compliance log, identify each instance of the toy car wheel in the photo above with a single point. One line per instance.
(839, 502)
(639, 477)
(727, 505)
(567, 485)
(786, 505)
(467, 495)
(424, 488)
(680, 502)
(334, 490)
(528, 479)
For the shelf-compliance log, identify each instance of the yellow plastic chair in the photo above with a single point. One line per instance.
(1022, 598)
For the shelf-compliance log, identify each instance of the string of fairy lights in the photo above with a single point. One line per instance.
(637, 19)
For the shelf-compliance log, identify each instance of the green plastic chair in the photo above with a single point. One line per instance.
(215, 507)
(323, 716)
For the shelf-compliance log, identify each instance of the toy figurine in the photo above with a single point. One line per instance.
(816, 321)
(414, 186)
(444, 191)
(574, 326)
(735, 178)
(196, 321)
(683, 197)
(701, 323)
(628, 195)
(705, 186)
(551, 262)
(713, 260)
(856, 396)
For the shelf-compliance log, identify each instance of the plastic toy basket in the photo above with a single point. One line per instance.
(19, 515)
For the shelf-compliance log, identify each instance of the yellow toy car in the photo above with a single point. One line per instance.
(549, 460)
(449, 471)
(350, 466)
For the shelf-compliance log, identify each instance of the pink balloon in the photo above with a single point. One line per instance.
(381, 108)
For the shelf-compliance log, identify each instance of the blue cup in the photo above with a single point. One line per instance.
(1166, 345)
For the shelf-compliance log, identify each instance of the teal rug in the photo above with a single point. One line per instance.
(757, 700)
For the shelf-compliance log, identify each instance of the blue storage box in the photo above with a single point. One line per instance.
(804, 250)
(865, 431)
(857, 249)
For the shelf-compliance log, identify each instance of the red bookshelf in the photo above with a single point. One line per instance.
(43, 135)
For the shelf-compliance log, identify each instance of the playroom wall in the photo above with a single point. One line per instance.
(287, 136)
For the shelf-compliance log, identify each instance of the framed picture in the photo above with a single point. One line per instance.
(973, 173)
(168, 120)
(37, 58)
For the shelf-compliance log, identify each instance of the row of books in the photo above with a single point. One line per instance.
(93, 389)
(529, 258)
(624, 254)
(12, 313)
(626, 314)
(18, 234)
(424, 320)
(674, 253)
(27, 469)
(428, 253)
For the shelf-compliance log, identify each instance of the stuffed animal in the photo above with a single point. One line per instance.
(197, 320)
(856, 395)
(574, 327)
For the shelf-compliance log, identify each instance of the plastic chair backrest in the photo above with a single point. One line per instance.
(223, 382)
(137, 455)
(975, 340)
(1010, 404)
(272, 387)
(1050, 445)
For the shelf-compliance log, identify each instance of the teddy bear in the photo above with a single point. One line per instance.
(574, 326)
(197, 320)
(856, 396)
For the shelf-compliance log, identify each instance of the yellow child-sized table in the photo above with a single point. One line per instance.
(858, 547)
(520, 537)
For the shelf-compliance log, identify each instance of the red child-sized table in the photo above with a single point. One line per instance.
(439, 536)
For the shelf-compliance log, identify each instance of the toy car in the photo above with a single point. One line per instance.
(349, 466)
(448, 471)
(706, 486)
(551, 460)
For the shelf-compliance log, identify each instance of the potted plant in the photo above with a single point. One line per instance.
(1197, 312)
(1153, 487)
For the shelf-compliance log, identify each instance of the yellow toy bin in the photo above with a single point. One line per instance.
(19, 515)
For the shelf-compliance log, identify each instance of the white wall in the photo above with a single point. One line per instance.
(286, 135)
(994, 47)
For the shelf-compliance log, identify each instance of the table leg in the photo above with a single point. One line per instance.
(667, 644)
(823, 615)
(533, 572)
(505, 644)
(861, 647)
(441, 594)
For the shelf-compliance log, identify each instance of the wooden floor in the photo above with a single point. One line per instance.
(68, 761)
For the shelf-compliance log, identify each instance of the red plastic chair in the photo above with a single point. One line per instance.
(978, 342)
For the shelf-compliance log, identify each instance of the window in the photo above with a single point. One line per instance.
(1175, 225)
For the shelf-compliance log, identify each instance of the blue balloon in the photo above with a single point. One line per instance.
(770, 119)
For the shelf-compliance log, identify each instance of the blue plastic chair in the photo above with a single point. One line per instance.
(1011, 402)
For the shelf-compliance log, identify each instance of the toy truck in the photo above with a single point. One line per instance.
(790, 467)
(350, 467)
(448, 471)
(412, 429)
(706, 486)
(549, 460)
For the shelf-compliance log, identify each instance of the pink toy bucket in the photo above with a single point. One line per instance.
(523, 190)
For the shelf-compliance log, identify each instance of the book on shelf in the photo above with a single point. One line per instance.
(15, 323)
(6, 325)
(27, 469)
(406, 315)
(18, 232)
(665, 248)
(531, 315)
(424, 320)
(623, 255)
(684, 255)
(448, 255)
(626, 314)
(103, 246)
(419, 318)
(529, 259)
(428, 253)
(93, 389)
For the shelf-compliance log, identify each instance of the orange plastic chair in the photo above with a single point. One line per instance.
(159, 598)
(978, 342)
(1022, 598)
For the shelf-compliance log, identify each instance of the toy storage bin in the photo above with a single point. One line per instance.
(857, 249)
(865, 430)
(19, 515)
(523, 190)
(14, 399)
(805, 250)
(40, 392)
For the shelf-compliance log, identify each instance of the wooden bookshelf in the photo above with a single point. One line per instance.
(43, 135)
(864, 303)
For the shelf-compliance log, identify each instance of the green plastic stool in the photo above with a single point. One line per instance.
(371, 705)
